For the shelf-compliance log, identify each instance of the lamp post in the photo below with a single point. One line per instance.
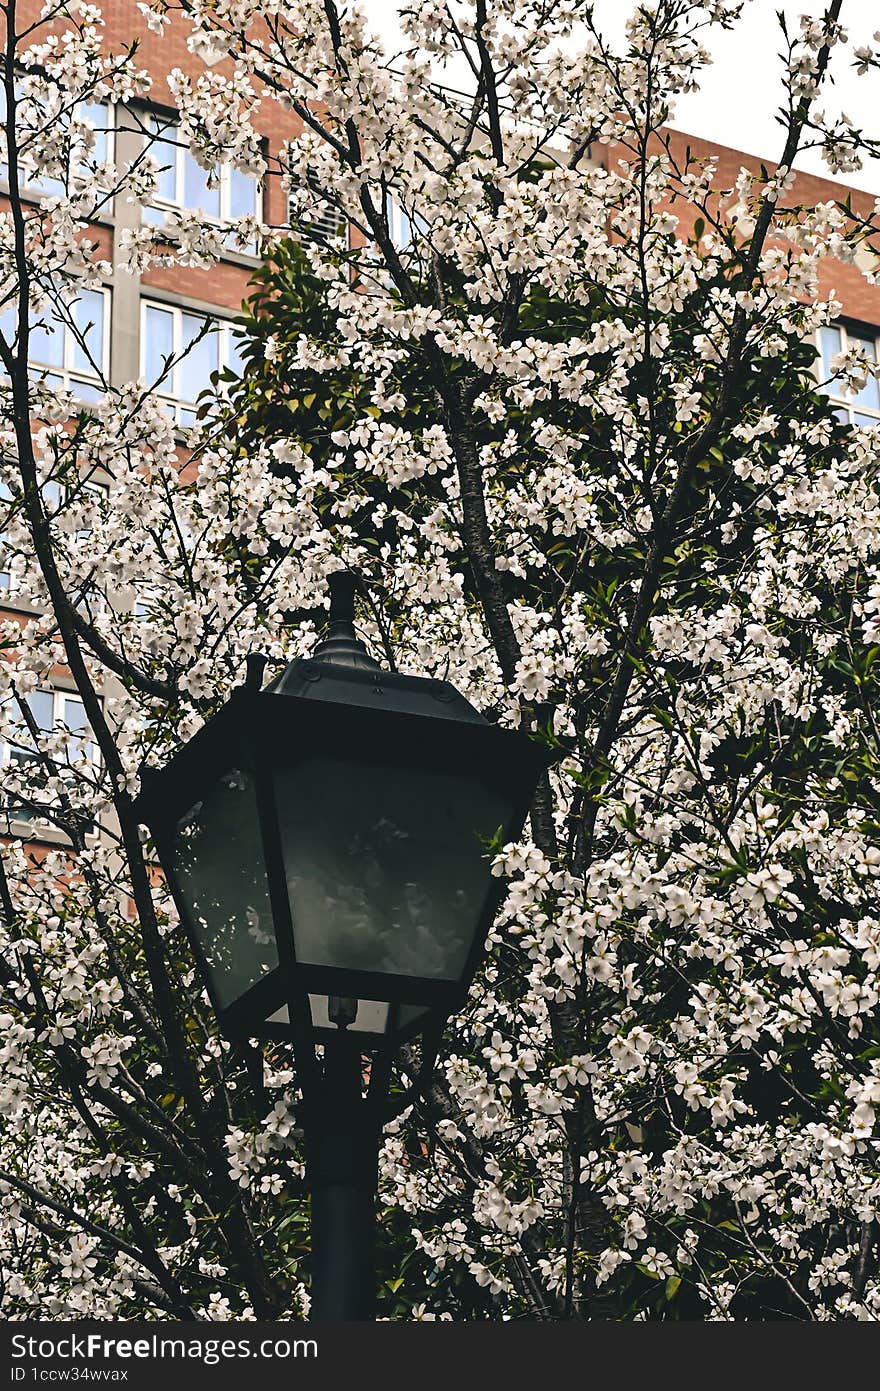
(324, 839)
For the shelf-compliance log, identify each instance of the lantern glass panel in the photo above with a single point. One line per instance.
(217, 859)
(386, 866)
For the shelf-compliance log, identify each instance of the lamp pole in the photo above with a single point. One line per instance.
(342, 1156)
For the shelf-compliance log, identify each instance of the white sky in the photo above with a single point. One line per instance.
(741, 90)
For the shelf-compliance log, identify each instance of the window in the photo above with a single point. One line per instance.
(854, 407)
(404, 228)
(70, 510)
(69, 345)
(183, 184)
(80, 141)
(144, 597)
(202, 345)
(52, 711)
(399, 225)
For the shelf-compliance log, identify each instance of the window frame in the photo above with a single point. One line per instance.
(10, 593)
(30, 184)
(70, 375)
(166, 130)
(841, 400)
(60, 695)
(224, 326)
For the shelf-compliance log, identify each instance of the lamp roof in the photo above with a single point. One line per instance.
(342, 671)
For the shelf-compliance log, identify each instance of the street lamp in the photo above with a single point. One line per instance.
(325, 840)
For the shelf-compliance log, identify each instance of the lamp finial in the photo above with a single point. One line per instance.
(342, 645)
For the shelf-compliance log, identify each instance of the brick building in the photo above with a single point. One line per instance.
(143, 317)
(132, 322)
(139, 320)
(860, 300)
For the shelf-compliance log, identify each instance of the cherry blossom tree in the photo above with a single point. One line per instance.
(578, 453)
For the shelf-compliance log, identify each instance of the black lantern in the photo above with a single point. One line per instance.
(325, 839)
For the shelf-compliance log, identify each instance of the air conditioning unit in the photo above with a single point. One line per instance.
(323, 219)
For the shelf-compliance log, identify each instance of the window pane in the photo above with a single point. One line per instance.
(42, 704)
(196, 193)
(86, 391)
(51, 495)
(865, 422)
(159, 345)
(399, 225)
(202, 357)
(162, 149)
(74, 714)
(88, 500)
(869, 395)
(88, 315)
(9, 320)
(46, 347)
(98, 115)
(242, 194)
(829, 339)
(49, 187)
(234, 359)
